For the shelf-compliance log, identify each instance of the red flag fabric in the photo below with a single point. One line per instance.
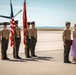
(12, 27)
(24, 22)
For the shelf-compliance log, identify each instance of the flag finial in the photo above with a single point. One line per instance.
(24, 0)
(10, 1)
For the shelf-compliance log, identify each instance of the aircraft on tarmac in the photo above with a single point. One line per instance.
(8, 17)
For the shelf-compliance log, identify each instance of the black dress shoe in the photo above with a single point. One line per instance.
(6, 59)
(18, 57)
(2, 59)
(67, 62)
(28, 57)
(34, 56)
(15, 57)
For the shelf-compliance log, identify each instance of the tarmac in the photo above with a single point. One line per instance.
(49, 50)
(47, 63)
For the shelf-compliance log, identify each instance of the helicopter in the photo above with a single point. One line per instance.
(8, 17)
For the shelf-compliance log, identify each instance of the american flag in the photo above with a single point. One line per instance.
(12, 26)
(24, 22)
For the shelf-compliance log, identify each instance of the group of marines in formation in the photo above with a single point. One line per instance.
(31, 39)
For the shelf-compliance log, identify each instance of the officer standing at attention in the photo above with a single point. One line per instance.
(17, 41)
(33, 39)
(67, 42)
(28, 39)
(4, 33)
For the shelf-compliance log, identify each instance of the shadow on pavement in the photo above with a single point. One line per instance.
(17, 60)
(36, 59)
(45, 58)
(22, 60)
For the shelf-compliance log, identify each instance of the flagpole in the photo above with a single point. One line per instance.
(10, 1)
(15, 43)
(12, 17)
(14, 37)
(24, 25)
(25, 36)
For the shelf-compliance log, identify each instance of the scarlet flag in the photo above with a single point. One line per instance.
(24, 22)
(12, 26)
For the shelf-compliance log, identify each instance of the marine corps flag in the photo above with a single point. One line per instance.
(12, 26)
(24, 22)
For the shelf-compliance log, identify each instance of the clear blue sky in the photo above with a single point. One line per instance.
(44, 12)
